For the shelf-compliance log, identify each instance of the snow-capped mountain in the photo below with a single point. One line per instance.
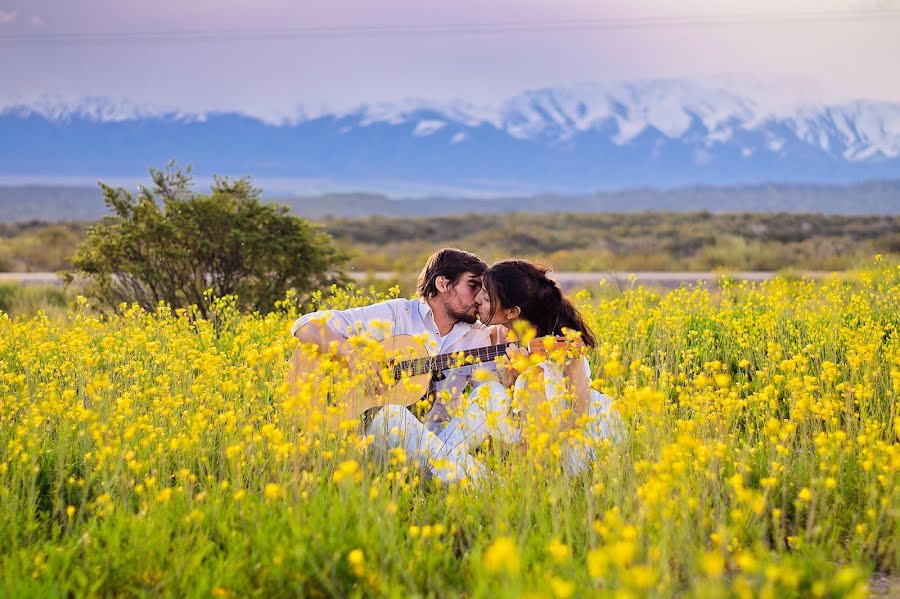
(653, 133)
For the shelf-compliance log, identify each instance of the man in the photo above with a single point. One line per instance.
(445, 312)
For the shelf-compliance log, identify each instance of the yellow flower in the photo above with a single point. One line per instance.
(613, 368)
(641, 577)
(558, 551)
(357, 562)
(347, 470)
(562, 589)
(482, 375)
(746, 562)
(622, 553)
(597, 563)
(273, 492)
(502, 556)
(713, 564)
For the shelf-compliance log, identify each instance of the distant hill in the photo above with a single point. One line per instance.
(877, 197)
(56, 203)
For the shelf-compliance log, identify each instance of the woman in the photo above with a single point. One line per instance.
(518, 292)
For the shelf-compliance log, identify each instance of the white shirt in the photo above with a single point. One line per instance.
(410, 317)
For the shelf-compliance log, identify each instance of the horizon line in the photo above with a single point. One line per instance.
(425, 191)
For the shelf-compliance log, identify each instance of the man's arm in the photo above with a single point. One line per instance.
(329, 329)
(314, 331)
(318, 333)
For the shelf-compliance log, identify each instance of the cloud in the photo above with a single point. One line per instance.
(458, 138)
(426, 128)
(7, 16)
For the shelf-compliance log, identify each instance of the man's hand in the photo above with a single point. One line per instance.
(358, 364)
(325, 338)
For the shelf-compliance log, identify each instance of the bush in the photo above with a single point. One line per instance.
(171, 245)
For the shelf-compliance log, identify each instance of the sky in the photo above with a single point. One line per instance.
(283, 58)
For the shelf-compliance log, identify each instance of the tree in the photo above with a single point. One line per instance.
(170, 244)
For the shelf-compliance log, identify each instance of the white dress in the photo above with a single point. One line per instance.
(603, 421)
(486, 412)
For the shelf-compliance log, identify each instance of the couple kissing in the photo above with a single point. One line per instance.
(464, 307)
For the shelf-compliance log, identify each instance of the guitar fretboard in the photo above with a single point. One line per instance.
(442, 362)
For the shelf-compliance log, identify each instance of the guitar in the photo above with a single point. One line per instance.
(404, 373)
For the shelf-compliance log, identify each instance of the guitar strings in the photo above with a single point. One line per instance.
(440, 363)
(417, 366)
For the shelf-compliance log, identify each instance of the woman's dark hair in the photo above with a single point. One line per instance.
(526, 285)
(448, 262)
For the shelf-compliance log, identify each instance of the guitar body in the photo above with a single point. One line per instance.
(333, 399)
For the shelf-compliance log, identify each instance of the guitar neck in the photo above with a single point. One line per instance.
(443, 362)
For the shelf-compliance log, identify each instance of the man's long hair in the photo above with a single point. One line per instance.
(448, 262)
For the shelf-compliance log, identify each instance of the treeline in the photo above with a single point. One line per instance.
(568, 241)
(631, 241)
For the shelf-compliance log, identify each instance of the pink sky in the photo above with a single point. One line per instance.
(835, 60)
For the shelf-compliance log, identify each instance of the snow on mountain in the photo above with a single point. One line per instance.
(857, 130)
(659, 132)
(94, 108)
(865, 129)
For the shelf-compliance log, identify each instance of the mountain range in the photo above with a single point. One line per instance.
(658, 133)
(25, 203)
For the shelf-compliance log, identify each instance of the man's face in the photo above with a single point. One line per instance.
(461, 298)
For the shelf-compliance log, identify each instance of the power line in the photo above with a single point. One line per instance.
(317, 32)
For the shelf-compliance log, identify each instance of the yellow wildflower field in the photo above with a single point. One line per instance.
(161, 454)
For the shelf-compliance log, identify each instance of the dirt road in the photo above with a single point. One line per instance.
(568, 280)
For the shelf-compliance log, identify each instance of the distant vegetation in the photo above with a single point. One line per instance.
(630, 242)
(17, 300)
(579, 242)
(38, 246)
